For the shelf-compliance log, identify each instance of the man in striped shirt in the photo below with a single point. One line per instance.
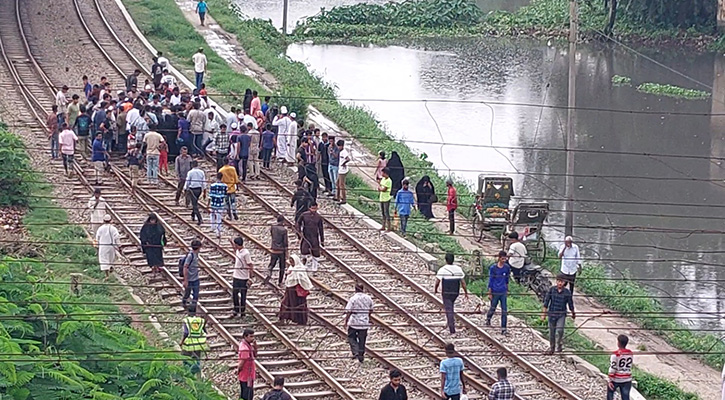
(501, 390)
(217, 193)
(620, 369)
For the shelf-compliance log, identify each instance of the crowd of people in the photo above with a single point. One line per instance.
(146, 122)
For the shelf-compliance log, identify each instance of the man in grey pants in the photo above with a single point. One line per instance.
(557, 299)
(357, 320)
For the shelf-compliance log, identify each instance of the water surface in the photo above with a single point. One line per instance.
(654, 218)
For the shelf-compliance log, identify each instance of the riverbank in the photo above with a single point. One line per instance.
(258, 45)
(542, 19)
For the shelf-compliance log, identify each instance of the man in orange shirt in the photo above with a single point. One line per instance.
(451, 206)
(230, 178)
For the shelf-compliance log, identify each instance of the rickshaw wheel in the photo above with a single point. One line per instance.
(539, 253)
(477, 225)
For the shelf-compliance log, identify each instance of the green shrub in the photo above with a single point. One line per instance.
(15, 175)
(410, 13)
(672, 91)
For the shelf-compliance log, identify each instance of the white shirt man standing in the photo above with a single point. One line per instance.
(570, 261)
(199, 59)
(283, 124)
(517, 255)
(357, 319)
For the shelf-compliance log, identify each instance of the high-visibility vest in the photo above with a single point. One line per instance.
(196, 341)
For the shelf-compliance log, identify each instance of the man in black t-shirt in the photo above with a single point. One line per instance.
(394, 390)
(452, 277)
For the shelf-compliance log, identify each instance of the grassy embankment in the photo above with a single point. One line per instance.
(63, 346)
(264, 45)
(544, 19)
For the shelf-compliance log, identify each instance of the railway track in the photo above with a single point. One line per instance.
(404, 335)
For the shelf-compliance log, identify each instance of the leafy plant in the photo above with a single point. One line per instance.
(411, 13)
(673, 91)
(15, 174)
(618, 80)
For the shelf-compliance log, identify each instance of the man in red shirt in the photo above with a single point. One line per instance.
(246, 370)
(451, 206)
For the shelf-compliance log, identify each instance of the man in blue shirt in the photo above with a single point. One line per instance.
(452, 383)
(201, 8)
(404, 202)
(99, 157)
(245, 140)
(217, 194)
(498, 288)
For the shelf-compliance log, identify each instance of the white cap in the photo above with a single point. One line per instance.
(283, 110)
(568, 239)
(293, 115)
(106, 218)
(148, 87)
(235, 125)
(120, 92)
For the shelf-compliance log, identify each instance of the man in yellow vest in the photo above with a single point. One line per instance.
(193, 344)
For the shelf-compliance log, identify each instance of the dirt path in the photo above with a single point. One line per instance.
(690, 374)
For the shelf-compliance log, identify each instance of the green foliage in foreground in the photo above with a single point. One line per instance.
(673, 91)
(526, 306)
(55, 346)
(14, 176)
(420, 13)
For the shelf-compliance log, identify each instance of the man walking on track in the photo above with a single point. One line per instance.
(97, 207)
(313, 236)
(182, 166)
(620, 370)
(503, 389)
(217, 194)
(557, 299)
(452, 277)
(394, 390)
(230, 178)
(451, 206)
(199, 60)
(196, 187)
(451, 369)
(357, 320)
(498, 288)
(67, 140)
(278, 249)
(107, 240)
(191, 275)
(241, 276)
(246, 370)
(193, 343)
(277, 392)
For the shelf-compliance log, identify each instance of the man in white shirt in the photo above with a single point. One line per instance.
(168, 79)
(342, 172)
(283, 123)
(108, 241)
(357, 320)
(292, 139)
(61, 98)
(450, 277)
(570, 261)
(162, 60)
(199, 59)
(241, 275)
(517, 255)
(97, 208)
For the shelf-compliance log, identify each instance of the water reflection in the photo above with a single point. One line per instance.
(635, 212)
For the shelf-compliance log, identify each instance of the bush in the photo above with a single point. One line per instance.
(15, 175)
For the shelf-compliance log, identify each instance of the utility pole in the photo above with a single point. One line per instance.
(284, 17)
(570, 144)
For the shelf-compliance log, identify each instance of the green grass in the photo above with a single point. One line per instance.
(163, 23)
(618, 80)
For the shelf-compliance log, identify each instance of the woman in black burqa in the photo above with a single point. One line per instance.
(247, 102)
(424, 191)
(397, 172)
(153, 240)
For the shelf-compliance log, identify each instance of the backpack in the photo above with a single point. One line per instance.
(83, 124)
(182, 262)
